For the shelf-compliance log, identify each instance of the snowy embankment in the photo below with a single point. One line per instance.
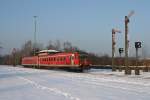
(25, 84)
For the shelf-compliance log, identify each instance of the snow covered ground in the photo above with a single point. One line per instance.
(17, 83)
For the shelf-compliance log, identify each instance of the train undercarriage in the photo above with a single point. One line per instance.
(71, 68)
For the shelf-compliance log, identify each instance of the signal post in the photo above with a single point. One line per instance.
(120, 60)
(127, 69)
(113, 47)
(137, 46)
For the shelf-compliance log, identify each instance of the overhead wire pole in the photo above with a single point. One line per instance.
(34, 33)
(34, 37)
(127, 70)
(113, 47)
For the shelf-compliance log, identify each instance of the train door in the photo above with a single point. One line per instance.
(72, 59)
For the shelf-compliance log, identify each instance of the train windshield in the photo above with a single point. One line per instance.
(83, 56)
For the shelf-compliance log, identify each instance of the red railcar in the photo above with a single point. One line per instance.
(55, 59)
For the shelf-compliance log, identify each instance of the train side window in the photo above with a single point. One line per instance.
(64, 58)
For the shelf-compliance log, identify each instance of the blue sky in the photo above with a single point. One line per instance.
(85, 23)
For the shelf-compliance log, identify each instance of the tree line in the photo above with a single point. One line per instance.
(28, 49)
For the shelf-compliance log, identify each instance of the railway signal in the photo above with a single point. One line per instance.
(120, 60)
(127, 70)
(120, 51)
(114, 31)
(137, 46)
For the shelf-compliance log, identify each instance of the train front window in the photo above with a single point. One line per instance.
(83, 56)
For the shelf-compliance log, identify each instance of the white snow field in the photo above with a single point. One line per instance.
(18, 83)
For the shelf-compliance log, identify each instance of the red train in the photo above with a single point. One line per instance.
(56, 59)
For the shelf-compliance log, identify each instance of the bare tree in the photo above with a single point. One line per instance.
(27, 48)
(67, 46)
(50, 45)
(57, 45)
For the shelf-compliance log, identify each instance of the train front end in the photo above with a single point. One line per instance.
(84, 61)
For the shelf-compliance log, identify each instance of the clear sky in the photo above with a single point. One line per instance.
(85, 23)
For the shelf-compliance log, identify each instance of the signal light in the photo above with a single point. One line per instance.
(138, 45)
(121, 50)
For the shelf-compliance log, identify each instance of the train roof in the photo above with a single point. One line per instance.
(49, 51)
